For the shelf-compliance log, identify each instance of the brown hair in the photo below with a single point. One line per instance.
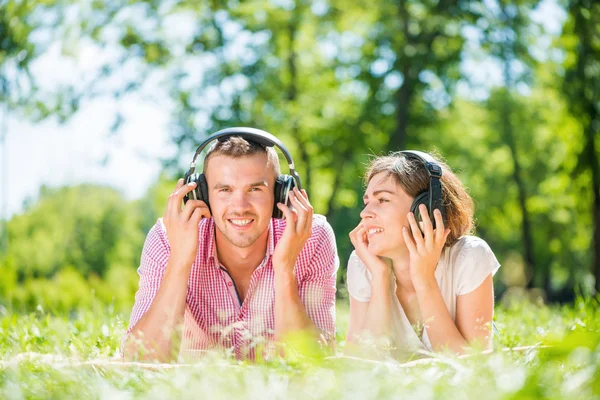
(237, 147)
(412, 176)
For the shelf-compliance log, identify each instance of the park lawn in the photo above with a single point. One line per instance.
(69, 356)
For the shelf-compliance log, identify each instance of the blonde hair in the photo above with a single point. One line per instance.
(237, 147)
(412, 176)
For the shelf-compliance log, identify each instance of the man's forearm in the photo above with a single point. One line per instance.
(290, 313)
(157, 333)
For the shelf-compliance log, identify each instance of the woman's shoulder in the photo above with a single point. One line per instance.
(468, 242)
(472, 260)
(358, 278)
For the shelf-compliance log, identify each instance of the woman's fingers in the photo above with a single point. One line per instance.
(416, 232)
(427, 226)
(440, 231)
(408, 240)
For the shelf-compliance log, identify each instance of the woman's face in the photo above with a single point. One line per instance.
(384, 215)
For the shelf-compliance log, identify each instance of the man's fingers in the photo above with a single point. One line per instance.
(191, 206)
(176, 198)
(303, 198)
(197, 215)
(185, 189)
(301, 212)
(289, 215)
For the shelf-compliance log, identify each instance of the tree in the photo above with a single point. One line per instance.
(582, 87)
(86, 227)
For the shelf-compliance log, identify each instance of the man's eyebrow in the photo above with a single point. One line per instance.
(259, 183)
(253, 184)
(375, 193)
(221, 186)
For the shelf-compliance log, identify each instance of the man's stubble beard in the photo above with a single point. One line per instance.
(246, 240)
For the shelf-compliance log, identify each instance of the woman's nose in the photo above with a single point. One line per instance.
(366, 212)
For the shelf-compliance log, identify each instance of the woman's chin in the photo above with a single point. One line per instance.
(376, 250)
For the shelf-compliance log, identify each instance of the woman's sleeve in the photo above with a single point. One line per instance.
(359, 279)
(474, 263)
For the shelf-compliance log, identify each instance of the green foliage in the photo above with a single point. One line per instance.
(85, 226)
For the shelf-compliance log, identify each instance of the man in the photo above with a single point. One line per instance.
(231, 275)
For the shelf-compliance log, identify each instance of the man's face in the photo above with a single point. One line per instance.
(241, 196)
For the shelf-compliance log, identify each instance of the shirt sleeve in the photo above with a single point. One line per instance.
(153, 263)
(317, 287)
(474, 263)
(359, 279)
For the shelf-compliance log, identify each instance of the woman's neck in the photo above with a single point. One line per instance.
(401, 266)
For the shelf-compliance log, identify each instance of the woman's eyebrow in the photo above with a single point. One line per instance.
(375, 193)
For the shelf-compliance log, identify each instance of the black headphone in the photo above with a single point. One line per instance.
(283, 184)
(432, 197)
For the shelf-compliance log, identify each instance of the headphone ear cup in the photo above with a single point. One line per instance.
(202, 189)
(189, 178)
(423, 198)
(283, 185)
(200, 192)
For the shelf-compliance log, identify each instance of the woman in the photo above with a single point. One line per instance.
(418, 285)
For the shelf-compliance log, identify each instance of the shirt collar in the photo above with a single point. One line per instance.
(212, 244)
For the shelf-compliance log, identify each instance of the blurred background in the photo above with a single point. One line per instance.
(102, 104)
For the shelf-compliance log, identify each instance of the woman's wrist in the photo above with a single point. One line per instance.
(381, 277)
(425, 284)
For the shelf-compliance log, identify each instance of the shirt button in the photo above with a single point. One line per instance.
(229, 284)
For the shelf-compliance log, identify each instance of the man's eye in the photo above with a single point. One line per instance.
(382, 200)
(224, 190)
(256, 189)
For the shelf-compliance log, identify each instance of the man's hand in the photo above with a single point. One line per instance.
(182, 225)
(297, 231)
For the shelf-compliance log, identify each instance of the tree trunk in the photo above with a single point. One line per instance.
(592, 157)
(292, 96)
(508, 132)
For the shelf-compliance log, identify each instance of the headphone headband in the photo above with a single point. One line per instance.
(432, 167)
(261, 137)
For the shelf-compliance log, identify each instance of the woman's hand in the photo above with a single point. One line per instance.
(425, 249)
(374, 263)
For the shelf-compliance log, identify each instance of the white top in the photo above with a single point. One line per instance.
(460, 270)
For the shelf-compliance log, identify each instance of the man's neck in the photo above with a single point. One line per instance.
(241, 260)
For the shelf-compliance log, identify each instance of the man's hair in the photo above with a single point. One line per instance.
(237, 147)
(412, 176)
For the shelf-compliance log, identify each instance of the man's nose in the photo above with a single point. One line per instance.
(241, 200)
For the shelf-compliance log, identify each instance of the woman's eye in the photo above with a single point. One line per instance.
(382, 200)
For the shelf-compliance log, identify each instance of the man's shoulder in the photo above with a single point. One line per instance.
(322, 230)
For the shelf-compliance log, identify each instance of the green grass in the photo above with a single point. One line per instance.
(43, 356)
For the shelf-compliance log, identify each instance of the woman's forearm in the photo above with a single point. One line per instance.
(441, 329)
(379, 313)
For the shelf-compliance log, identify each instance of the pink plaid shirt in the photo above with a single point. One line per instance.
(214, 316)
